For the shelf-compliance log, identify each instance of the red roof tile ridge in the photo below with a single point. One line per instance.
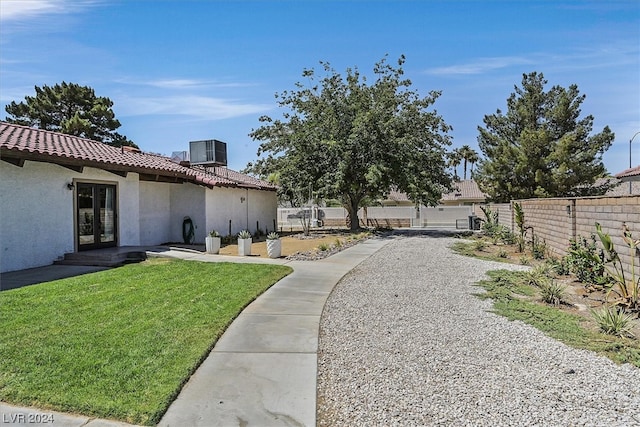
(53, 133)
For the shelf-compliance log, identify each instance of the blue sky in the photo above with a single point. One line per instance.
(188, 70)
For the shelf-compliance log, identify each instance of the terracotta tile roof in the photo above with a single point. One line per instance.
(466, 189)
(629, 173)
(619, 188)
(234, 176)
(463, 190)
(398, 196)
(25, 143)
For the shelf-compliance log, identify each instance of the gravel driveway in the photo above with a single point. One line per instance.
(404, 342)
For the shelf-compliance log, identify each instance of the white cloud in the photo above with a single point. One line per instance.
(20, 10)
(481, 65)
(199, 107)
(179, 83)
(611, 55)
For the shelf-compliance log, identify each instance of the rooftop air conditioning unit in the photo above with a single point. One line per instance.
(180, 157)
(210, 152)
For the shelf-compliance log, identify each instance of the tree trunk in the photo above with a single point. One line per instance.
(352, 211)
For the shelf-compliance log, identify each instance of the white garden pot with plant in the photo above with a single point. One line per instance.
(244, 243)
(274, 245)
(212, 242)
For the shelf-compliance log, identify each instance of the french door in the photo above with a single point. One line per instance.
(96, 215)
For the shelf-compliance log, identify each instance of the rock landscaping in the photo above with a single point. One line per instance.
(404, 340)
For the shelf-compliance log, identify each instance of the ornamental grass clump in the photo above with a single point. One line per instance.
(537, 276)
(613, 321)
(479, 245)
(552, 292)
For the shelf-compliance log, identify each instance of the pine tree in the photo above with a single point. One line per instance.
(541, 147)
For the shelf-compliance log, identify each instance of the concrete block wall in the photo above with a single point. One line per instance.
(505, 213)
(558, 220)
(611, 213)
(551, 220)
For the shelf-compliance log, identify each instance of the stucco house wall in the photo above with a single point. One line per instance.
(225, 206)
(245, 208)
(36, 215)
(155, 213)
(263, 210)
(188, 200)
(37, 212)
(128, 204)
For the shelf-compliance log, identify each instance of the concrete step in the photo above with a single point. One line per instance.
(102, 258)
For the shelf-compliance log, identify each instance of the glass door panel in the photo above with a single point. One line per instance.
(106, 195)
(96, 215)
(86, 235)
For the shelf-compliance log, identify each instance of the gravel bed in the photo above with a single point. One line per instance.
(315, 255)
(403, 341)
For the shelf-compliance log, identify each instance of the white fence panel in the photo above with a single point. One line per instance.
(439, 216)
(445, 216)
(390, 212)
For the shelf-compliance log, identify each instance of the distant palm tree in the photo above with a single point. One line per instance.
(467, 155)
(454, 159)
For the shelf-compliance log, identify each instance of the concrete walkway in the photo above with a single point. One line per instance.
(263, 370)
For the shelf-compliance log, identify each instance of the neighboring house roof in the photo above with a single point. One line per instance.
(466, 189)
(20, 143)
(632, 173)
(397, 196)
(619, 187)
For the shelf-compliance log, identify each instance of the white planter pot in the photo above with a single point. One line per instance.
(274, 248)
(244, 247)
(212, 244)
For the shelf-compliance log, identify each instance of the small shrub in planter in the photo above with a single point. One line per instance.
(244, 243)
(212, 242)
(274, 245)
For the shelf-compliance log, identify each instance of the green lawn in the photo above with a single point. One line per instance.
(120, 343)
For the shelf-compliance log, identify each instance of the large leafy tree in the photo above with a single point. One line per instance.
(71, 109)
(345, 139)
(541, 147)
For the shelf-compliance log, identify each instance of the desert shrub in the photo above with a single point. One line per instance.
(479, 245)
(552, 292)
(524, 260)
(538, 248)
(625, 283)
(228, 239)
(490, 224)
(585, 260)
(507, 237)
(323, 247)
(502, 253)
(560, 266)
(537, 276)
(613, 321)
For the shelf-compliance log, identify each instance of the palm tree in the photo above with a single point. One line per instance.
(454, 159)
(468, 155)
(474, 157)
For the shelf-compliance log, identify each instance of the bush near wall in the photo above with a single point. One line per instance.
(557, 220)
